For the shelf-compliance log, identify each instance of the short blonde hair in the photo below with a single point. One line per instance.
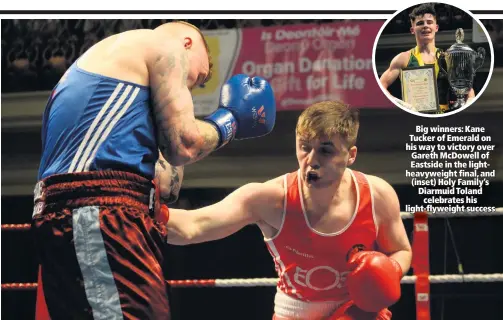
(210, 71)
(328, 118)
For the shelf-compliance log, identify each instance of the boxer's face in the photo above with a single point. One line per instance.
(322, 161)
(198, 64)
(424, 27)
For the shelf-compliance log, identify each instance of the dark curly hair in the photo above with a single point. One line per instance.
(421, 10)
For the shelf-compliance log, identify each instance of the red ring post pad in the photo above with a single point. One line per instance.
(421, 265)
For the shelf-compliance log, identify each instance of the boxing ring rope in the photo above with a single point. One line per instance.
(420, 264)
(272, 282)
(459, 214)
(404, 215)
(16, 227)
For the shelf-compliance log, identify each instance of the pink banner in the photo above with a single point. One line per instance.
(310, 63)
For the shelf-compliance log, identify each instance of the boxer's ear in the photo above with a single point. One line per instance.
(187, 42)
(352, 155)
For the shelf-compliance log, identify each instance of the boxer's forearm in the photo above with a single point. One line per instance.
(218, 220)
(208, 141)
(180, 227)
(169, 180)
(404, 258)
(176, 238)
(189, 142)
(182, 138)
(190, 227)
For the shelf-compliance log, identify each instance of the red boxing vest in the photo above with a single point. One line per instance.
(311, 265)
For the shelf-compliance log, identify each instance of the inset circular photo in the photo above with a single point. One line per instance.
(433, 59)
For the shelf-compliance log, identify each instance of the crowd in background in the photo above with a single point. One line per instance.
(35, 53)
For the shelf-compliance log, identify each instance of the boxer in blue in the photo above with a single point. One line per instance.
(122, 107)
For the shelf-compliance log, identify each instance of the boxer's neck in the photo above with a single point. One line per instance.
(427, 47)
(318, 199)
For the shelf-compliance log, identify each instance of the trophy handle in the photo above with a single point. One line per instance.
(440, 55)
(479, 58)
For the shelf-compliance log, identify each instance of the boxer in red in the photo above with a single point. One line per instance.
(335, 234)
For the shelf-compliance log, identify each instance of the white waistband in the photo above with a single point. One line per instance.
(286, 307)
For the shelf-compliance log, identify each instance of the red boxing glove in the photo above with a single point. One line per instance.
(163, 214)
(349, 311)
(161, 211)
(374, 281)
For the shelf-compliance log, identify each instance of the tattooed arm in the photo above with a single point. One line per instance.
(169, 180)
(183, 139)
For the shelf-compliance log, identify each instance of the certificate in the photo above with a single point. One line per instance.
(419, 88)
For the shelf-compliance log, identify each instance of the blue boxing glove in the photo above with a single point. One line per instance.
(247, 109)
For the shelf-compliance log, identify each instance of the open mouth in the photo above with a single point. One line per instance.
(426, 32)
(312, 176)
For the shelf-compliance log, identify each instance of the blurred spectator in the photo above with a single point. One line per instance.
(21, 72)
(495, 30)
